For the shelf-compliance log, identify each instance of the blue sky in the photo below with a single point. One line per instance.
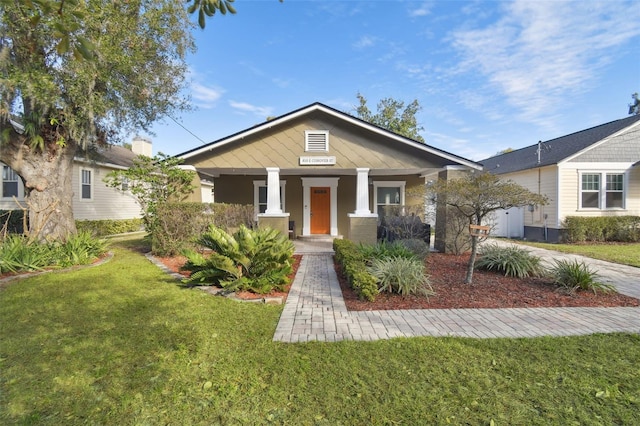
(489, 75)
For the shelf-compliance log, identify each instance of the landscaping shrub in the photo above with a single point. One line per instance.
(418, 247)
(574, 275)
(101, 228)
(18, 253)
(254, 260)
(401, 275)
(354, 268)
(384, 249)
(79, 249)
(512, 261)
(600, 229)
(179, 224)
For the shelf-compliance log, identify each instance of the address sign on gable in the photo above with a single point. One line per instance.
(318, 161)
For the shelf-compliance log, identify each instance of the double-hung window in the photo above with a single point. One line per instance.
(602, 190)
(85, 184)
(9, 182)
(389, 197)
(260, 195)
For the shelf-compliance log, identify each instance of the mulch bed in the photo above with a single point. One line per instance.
(488, 290)
(447, 273)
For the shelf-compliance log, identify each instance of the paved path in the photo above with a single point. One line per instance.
(315, 310)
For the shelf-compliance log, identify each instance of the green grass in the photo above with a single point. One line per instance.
(123, 344)
(625, 254)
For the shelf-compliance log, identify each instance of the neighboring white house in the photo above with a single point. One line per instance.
(593, 172)
(92, 199)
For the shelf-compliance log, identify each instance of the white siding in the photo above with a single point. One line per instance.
(540, 181)
(8, 203)
(105, 203)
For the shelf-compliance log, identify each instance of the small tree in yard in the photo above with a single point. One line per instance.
(477, 195)
(153, 181)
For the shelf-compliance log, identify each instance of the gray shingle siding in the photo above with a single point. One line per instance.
(622, 148)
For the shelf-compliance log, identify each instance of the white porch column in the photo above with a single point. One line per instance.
(362, 192)
(273, 191)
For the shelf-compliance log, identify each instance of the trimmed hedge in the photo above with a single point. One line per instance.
(179, 224)
(101, 228)
(355, 269)
(600, 229)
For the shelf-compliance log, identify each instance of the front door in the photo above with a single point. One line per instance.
(320, 210)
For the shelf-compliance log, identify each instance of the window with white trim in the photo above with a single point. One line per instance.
(389, 196)
(260, 196)
(9, 182)
(85, 184)
(602, 190)
(316, 140)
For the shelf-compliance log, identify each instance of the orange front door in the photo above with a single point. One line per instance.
(320, 210)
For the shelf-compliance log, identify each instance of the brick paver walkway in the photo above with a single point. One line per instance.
(315, 310)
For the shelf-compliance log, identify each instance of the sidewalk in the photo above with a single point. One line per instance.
(315, 310)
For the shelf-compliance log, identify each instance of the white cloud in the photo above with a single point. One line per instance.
(364, 42)
(539, 54)
(423, 10)
(206, 97)
(262, 112)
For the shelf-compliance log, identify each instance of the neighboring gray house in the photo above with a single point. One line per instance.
(92, 199)
(593, 172)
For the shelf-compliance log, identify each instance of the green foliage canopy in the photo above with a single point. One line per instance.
(153, 181)
(393, 115)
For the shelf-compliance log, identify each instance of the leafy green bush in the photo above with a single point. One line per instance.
(384, 249)
(17, 253)
(254, 260)
(179, 224)
(79, 249)
(401, 275)
(354, 268)
(417, 246)
(598, 229)
(574, 275)
(512, 261)
(101, 228)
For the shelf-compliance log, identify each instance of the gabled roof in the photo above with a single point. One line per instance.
(110, 155)
(556, 150)
(317, 106)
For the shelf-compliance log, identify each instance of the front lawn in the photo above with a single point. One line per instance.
(123, 344)
(625, 254)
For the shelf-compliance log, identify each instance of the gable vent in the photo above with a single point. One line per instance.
(316, 141)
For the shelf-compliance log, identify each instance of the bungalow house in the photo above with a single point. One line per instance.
(92, 200)
(593, 172)
(317, 171)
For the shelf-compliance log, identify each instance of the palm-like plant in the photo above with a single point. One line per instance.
(255, 260)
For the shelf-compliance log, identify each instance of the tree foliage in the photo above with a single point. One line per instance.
(77, 73)
(153, 182)
(477, 195)
(393, 115)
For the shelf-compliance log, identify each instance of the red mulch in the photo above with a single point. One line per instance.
(447, 273)
(488, 290)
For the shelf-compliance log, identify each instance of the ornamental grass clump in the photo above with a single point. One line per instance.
(401, 275)
(512, 261)
(574, 276)
(384, 250)
(254, 260)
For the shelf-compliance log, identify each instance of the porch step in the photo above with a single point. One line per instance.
(317, 238)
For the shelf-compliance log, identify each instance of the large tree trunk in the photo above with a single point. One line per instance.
(47, 179)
